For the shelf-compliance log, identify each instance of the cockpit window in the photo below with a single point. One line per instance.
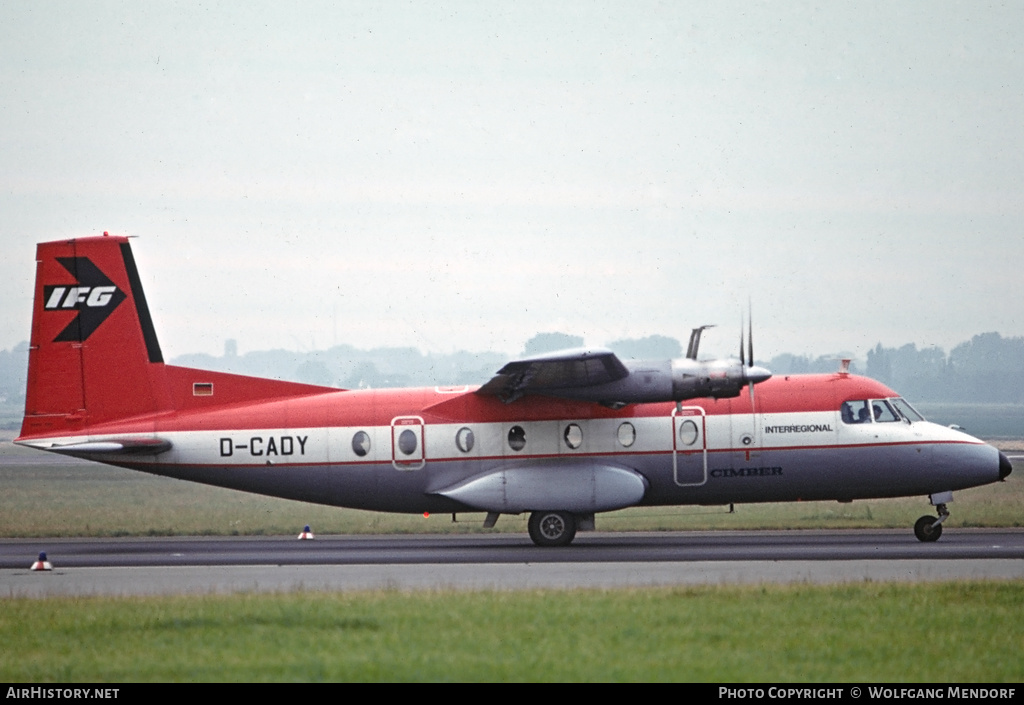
(882, 412)
(877, 411)
(855, 412)
(908, 412)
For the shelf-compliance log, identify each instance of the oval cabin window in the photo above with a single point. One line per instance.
(627, 434)
(516, 438)
(361, 443)
(407, 441)
(688, 433)
(573, 436)
(464, 439)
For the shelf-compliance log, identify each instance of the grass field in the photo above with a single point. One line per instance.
(952, 632)
(48, 496)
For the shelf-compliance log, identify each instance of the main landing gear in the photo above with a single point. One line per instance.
(552, 528)
(928, 528)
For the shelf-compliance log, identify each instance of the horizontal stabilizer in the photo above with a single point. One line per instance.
(133, 446)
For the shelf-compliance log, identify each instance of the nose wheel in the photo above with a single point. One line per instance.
(552, 528)
(928, 528)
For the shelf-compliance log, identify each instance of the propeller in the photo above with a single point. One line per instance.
(751, 373)
(717, 379)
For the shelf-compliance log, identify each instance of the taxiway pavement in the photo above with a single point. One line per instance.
(191, 565)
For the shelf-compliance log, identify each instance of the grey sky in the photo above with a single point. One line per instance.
(464, 175)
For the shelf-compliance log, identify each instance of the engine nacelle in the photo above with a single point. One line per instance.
(717, 379)
(670, 380)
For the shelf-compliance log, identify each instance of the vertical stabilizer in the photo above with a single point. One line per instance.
(94, 356)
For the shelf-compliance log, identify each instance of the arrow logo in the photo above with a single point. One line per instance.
(94, 297)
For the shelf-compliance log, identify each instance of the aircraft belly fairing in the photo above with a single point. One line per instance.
(578, 486)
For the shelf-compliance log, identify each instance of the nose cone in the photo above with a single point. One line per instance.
(755, 374)
(1005, 467)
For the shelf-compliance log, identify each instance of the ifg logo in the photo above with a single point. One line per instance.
(94, 296)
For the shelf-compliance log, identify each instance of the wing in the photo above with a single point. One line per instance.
(563, 370)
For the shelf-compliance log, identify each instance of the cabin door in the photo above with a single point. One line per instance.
(407, 452)
(689, 446)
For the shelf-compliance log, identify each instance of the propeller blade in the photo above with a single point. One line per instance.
(753, 374)
(750, 336)
(743, 362)
(750, 351)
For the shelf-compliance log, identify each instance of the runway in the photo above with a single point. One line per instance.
(190, 565)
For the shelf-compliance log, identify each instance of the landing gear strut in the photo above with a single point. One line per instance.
(929, 528)
(552, 528)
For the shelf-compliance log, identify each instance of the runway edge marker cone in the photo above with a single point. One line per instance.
(42, 563)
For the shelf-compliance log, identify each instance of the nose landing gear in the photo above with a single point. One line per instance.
(928, 528)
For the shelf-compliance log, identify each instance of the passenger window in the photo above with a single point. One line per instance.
(573, 436)
(516, 438)
(361, 444)
(688, 433)
(627, 434)
(407, 441)
(464, 439)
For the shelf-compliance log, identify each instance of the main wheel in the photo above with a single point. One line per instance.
(924, 531)
(552, 528)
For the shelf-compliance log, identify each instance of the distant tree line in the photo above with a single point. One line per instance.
(983, 369)
(987, 368)
(13, 373)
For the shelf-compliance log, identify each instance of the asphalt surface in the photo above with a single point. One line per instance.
(603, 560)
(603, 547)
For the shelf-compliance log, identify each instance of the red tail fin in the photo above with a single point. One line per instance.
(94, 355)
